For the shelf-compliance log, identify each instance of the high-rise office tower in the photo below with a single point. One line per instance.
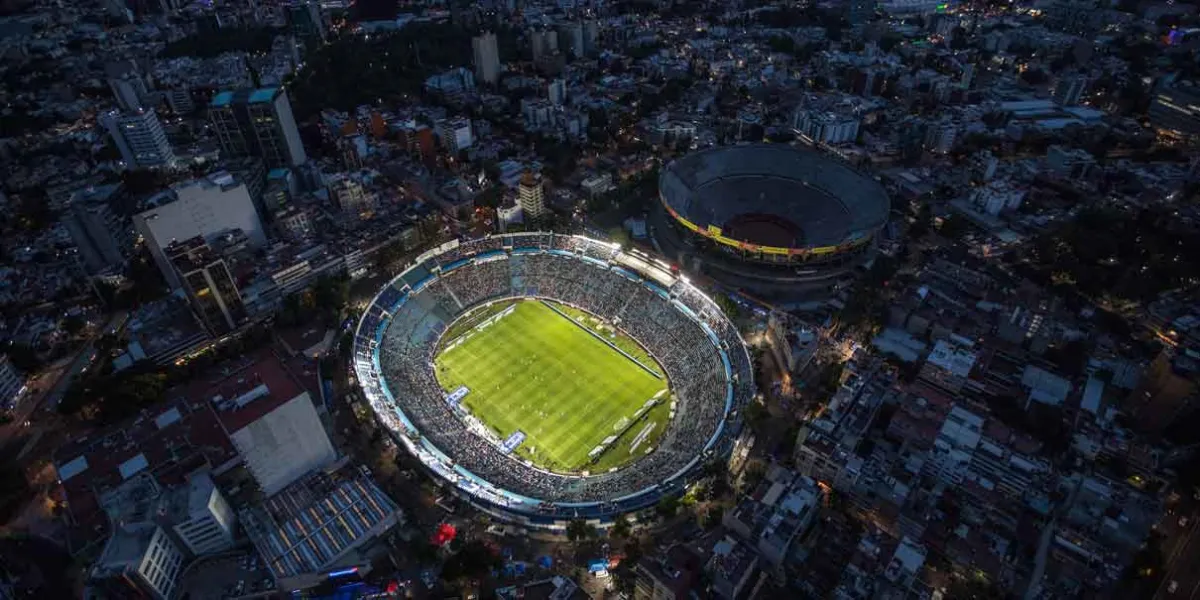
(1069, 89)
(557, 92)
(571, 38)
(100, 234)
(940, 136)
(456, 134)
(140, 138)
(487, 58)
(531, 196)
(128, 90)
(12, 382)
(209, 285)
(591, 35)
(544, 43)
(304, 17)
(257, 122)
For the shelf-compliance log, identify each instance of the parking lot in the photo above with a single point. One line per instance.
(226, 577)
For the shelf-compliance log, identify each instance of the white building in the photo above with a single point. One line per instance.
(12, 383)
(1069, 163)
(1045, 387)
(955, 445)
(140, 138)
(284, 444)
(206, 207)
(180, 100)
(456, 134)
(984, 165)
(536, 112)
(598, 184)
(294, 222)
(139, 560)
(451, 82)
(557, 92)
(200, 516)
(350, 196)
(996, 197)
(906, 562)
(487, 58)
(939, 137)
(508, 213)
(826, 128)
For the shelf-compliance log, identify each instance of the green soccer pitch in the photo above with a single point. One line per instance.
(540, 372)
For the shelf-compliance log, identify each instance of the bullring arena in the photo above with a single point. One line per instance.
(776, 220)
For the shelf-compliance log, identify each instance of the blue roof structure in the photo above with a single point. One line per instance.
(222, 99)
(262, 95)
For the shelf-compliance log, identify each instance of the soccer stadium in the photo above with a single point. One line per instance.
(547, 377)
(771, 218)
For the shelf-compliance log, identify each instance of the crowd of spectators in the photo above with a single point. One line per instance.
(549, 266)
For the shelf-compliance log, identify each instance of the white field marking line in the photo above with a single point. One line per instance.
(641, 437)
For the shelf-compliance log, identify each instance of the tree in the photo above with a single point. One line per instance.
(920, 225)
(108, 398)
(33, 212)
(215, 42)
(474, 560)
(331, 294)
(728, 306)
(389, 255)
(579, 530)
(626, 574)
(14, 490)
(954, 227)
(619, 236)
(1034, 76)
(621, 528)
(958, 39)
(24, 358)
(756, 415)
(756, 469)
(667, 507)
(73, 324)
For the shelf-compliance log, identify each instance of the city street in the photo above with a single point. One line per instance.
(1181, 551)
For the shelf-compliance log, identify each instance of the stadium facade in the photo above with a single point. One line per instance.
(701, 351)
(771, 218)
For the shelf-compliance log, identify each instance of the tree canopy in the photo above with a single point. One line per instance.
(109, 398)
(578, 530)
(215, 42)
(474, 560)
(1132, 257)
(356, 70)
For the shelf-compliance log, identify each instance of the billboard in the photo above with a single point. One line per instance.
(715, 234)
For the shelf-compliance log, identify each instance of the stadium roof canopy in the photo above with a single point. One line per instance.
(774, 195)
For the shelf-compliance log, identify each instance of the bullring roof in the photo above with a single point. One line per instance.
(818, 200)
